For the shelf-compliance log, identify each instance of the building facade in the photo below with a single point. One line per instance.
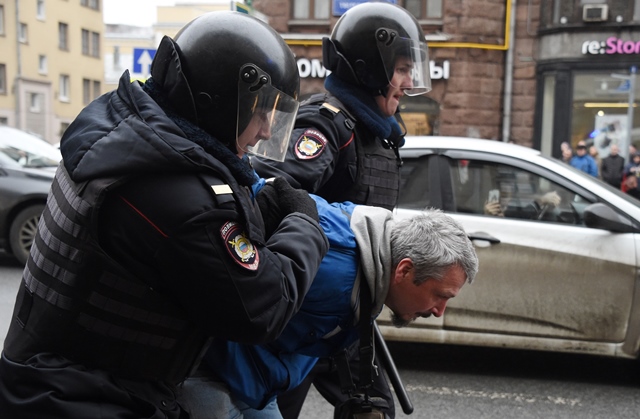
(50, 63)
(535, 72)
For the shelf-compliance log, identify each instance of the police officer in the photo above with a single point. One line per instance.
(150, 243)
(345, 143)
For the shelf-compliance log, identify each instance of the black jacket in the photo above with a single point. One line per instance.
(141, 201)
(612, 169)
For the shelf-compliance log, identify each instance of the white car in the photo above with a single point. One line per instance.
(558, 252)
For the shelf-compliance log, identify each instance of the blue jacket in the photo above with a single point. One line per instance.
(258, 373)
(585, 163)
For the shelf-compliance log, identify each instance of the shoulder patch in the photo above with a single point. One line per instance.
(239, 246)
(310, 144)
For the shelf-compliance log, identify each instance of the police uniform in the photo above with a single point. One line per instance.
(148, 246)
(332, 155)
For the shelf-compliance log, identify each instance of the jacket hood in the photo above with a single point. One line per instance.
(372, 229)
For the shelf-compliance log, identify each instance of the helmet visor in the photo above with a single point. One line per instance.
(406, 62)
(272, 116)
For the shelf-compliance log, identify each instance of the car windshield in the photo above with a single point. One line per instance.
(20, 149)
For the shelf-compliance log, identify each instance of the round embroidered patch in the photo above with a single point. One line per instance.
(310, 144)
(239, 246)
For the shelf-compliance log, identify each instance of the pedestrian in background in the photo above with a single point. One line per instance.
(566, 151)
(150, 243)
(593, 152)
(612, 167)
(631, 175)
(583, 161)
(345, 143)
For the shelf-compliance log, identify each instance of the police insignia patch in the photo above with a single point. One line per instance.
(239, 246)
(310, 144)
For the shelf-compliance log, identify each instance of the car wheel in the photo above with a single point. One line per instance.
(23, 232)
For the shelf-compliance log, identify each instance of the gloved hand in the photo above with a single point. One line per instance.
(277, 199)
(272, 215)
(295, 200)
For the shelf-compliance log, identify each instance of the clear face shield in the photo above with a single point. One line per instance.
(406, 62)
(266, 116)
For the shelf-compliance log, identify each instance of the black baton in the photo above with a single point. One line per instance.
(392, 371)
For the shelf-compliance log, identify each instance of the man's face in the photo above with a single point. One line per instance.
(258, 129)
(581, 149)
(401, 80)
(408, 301)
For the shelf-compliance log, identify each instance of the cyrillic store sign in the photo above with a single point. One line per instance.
(314, 68)
(612, 46)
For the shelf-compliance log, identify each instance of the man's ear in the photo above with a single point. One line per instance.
(403, 269)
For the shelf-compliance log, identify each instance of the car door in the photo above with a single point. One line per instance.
(543, 273)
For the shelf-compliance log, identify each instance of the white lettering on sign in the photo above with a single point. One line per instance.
(611, 46)
(314, 68)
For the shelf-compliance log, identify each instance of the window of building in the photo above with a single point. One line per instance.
(42, 64)
(1, 19)
(95, 44)
(90, 90)
(90, 43)
(23, 33)
(35, 105)
(424, 9)
(3, 79)
(40, 12)
(311, 9)
(65, 88)
(63, 36)
(86, 91)
(4, 120)
(85, 42)
(92, 4)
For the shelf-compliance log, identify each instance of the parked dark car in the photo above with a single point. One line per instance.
(559, 250)
(27, 167)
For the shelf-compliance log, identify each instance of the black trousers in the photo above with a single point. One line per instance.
(324, 377)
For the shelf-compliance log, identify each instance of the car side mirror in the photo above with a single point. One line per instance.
(601, 216)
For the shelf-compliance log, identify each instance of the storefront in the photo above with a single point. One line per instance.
(587, 90)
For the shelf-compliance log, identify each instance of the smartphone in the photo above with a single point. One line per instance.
(494, 195)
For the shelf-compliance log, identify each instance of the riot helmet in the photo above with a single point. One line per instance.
(227, 71)
(366, 42)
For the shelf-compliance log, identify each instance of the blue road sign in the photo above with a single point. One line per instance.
(142, 58)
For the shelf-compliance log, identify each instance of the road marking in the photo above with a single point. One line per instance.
(516, 397)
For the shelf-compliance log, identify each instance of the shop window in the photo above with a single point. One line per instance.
(600, 111)
(420, 115)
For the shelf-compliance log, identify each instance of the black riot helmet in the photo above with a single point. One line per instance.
(368, 39)
(223, 69)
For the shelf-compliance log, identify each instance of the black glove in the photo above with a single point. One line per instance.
(295, 200)
(267, 200)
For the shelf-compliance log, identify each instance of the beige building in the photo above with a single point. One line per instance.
(50, 62)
